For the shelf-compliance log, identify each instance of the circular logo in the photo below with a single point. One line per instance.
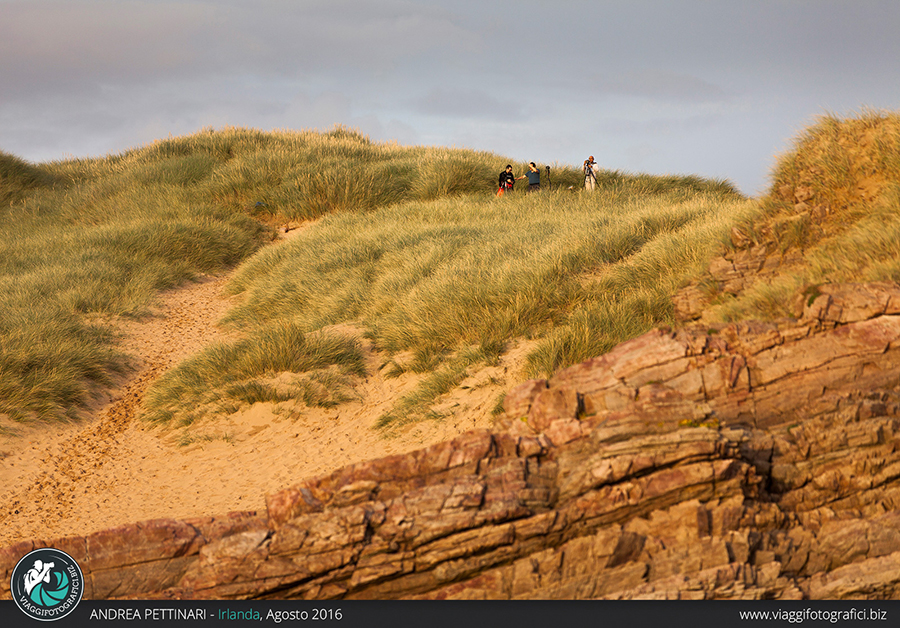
(47, 584)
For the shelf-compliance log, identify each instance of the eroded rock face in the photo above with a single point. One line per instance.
(742, 461)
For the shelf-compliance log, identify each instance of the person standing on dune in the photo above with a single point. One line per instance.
(507, 180)
(534, 177)
(589, 179)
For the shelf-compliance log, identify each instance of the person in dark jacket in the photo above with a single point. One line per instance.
(507, 180)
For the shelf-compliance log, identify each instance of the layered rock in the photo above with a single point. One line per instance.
(740, 461)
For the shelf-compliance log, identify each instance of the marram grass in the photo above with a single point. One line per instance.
(232, 371)
(581, 272)
(410, 243)
(69, 254)
(86, 237)
(835, 200)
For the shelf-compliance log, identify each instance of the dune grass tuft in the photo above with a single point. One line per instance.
(233, 371)
(835, 203)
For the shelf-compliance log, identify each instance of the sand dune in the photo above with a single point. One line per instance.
(113, 469)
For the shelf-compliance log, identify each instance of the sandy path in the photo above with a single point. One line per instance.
(69, 474)
(114, 470)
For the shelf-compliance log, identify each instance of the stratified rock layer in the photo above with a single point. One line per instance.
(742, 461)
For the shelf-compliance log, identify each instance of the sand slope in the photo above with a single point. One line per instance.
(113, 469)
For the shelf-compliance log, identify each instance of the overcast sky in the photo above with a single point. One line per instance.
(715, 88)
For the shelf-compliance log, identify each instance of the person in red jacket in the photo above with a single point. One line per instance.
(507, 180)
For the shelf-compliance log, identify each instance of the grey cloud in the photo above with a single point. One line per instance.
(322, 111)
(353, 40)
(657, 85)
(529, 78)
(663, 125)
(45, 45)
(466, 103)
(362, 32)
(76, 45)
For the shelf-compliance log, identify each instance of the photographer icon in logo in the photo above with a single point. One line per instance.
(47, 584)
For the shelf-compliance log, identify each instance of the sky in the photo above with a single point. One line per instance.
(712, 88)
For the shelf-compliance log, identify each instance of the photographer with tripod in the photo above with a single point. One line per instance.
(589, 179)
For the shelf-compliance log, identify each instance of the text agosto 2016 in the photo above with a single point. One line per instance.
(316, 614)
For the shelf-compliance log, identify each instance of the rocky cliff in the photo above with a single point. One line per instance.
(747, 461)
